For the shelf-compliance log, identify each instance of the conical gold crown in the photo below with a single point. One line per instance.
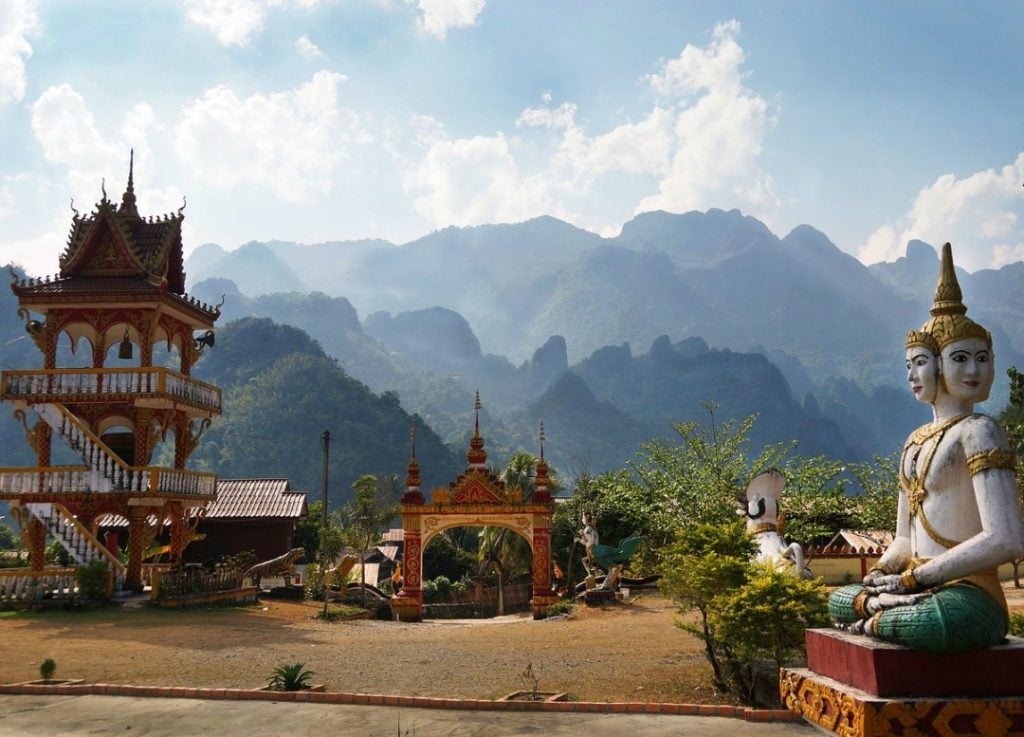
(949, 321)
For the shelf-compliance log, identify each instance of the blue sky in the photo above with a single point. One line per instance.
(314, 120)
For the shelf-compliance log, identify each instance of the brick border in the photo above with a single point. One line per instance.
(422, 702)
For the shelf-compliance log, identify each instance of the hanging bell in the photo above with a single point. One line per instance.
(125, 351)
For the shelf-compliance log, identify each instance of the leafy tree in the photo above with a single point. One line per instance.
(1012, 420)
(307, 531)
(372, 507)
(8, 538)
(747, 613)
(704, 560)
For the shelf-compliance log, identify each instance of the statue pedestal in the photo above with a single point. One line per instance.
(597, 597)
(858, 687)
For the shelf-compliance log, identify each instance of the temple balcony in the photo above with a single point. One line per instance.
(55, 483)
(151, 386)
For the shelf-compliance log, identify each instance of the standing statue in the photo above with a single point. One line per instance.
(609, 558)
(761, 508)
(936, 586)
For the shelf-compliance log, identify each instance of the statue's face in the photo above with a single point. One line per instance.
(968, 370)
(923, 373)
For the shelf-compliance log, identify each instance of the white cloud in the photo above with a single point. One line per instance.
(308, 49)
(718, 131)
(66, 130)
(232, 22)
(979, 214)
(472, 181)
(287, 141)
(437, 16)
(699, 143)
(18, 21)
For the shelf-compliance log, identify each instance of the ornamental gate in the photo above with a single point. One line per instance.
(477, 498)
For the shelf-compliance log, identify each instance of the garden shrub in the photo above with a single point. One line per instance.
(92, 579)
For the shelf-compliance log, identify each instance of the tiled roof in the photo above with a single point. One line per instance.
(73, 289)
(244, 499)
(862, 540)
(249, 498)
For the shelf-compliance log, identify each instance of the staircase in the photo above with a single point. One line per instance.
(107, 472)
(74, 537)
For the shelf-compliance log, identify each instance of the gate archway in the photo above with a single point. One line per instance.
(477, 498)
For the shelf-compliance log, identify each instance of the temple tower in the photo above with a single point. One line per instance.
(120, 300)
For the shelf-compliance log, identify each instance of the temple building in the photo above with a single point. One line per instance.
(120, 299)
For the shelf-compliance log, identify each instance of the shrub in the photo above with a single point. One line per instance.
(563, 606)
(56, 555)
(749, 614)
(47, 669)
(292, 677)
(437, 590)
(314, 586)
(92, 579)
(1017, 624)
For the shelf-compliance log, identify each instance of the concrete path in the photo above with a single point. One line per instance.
(78, 716)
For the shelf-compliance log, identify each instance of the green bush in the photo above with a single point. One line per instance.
(47, 668)
(292, 677)
(92, 579)
(314, 585)
(56, 555)
(1017, 624)
(752, 618)
(563, 606)
(437, 590)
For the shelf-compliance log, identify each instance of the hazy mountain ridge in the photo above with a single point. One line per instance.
(716, 274)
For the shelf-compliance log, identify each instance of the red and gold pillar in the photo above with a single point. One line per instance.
(407, 605)
(543, 596)
(136, 542)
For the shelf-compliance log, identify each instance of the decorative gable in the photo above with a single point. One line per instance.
(477, 487)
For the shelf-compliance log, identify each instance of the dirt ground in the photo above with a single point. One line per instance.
(630, 651)
(626, 652)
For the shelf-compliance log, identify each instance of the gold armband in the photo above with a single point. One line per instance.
(908, 581)
(882, 568)
(860, 604)
(995, 458)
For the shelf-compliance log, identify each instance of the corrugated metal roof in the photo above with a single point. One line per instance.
(244, 499)
(394, 535)
(248, 498)
(391, 551)
(863, 540)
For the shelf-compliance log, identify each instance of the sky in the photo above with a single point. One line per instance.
(318, 120)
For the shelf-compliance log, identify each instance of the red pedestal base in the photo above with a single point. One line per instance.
(881, 669)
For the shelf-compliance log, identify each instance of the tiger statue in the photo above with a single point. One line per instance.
(275, 566)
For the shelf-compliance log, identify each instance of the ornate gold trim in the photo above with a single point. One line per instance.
(995, 458)
(763, 527)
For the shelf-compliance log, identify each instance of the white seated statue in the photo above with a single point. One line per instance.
(936, 587)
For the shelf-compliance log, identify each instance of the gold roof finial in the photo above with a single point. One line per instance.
(949, 321)
(412, 477)
(476, 456)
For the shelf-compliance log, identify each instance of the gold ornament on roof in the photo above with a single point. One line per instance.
(949, 321)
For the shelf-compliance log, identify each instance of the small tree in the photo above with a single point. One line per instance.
(371, 508)
(749, 614)
(705, 560)
(764, 620)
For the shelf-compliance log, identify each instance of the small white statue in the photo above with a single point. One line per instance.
(762, 513)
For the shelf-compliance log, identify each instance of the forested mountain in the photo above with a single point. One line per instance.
(281, 391)
(719, 275)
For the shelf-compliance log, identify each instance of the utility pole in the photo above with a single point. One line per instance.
(323, 516)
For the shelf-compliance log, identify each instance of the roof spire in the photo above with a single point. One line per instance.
(476, 456)
(128, 200)
(541, 481)
(412, 478)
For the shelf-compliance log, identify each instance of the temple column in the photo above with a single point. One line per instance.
(35, 541)
(179, 526)
(542, 593)
(408, 604)
(136, 541)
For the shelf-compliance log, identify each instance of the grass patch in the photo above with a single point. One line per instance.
(341, 611)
